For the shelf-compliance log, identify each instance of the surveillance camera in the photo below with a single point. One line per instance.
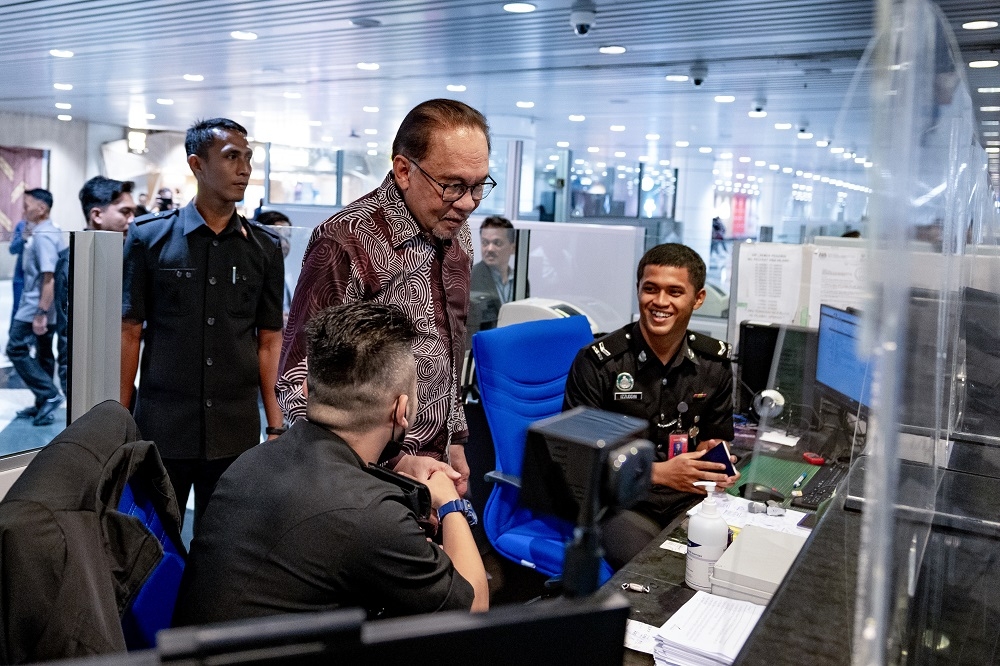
(699, 72)
(582, 16)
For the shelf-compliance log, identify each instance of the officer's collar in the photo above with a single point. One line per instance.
(644, 353)
(192, 220)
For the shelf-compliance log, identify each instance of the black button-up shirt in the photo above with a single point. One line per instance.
(203, 297)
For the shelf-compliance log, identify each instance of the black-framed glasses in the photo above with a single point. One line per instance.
(455, 191)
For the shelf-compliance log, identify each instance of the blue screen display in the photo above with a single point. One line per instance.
(838, 366)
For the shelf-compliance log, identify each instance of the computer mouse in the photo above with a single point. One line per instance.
(759, 492)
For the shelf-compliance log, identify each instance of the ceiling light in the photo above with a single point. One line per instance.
(989, 90)
(757, 114)
(64, 106)
(373, 153)
(525, 105)
(983, 64)
(664, 162)
(816, 176)
(562, 144)
(869, 165)
(292, 95)
(165, 101)
(652, 137)
(371, 132)
(194, 77)
(620, 153)
(822, 143)
(705, 149)
(612, 50)
(786, 170)
(745, 160)
(315, 123)
(62, 86)
(979, 25)
(677, 78)
(782, 126)
(682, 144)
(150, 116)
(993, 149)
(553, 158)
(593, 149)
(244, 35)
(577, 118)
(991, 123)
(519, 7)
(617, 128)
(64, 117)
(370, 109)
(773, 167)
(799, 173)
(726, 156)
(804, 134)
(372, 144)
(991, 133)
(836, 150)
(59, 53)
(724, 99)
(368, 66)
(989, 109)
(455, 88)
(760, 163)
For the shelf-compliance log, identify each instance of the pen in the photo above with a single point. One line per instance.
(798, 481)
(234, 274)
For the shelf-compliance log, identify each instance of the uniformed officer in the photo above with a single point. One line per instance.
(680, 381)
(208, 286)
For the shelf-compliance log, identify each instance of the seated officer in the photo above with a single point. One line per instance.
(296, 524)
(678, 380)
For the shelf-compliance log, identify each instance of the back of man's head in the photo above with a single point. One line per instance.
(203, 133)
(360, 360)
(100, 192)
(42, 195)
(674, 255)
(413, 138)
(498, 222)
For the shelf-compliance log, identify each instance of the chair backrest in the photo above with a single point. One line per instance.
(522, 372)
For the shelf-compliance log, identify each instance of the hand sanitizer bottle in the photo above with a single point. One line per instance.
(708, 536)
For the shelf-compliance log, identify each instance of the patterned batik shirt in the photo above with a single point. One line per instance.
(374, 250)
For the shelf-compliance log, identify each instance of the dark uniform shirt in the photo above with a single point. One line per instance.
(620, 373)
(203, 297)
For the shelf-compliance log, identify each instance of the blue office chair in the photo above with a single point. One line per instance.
(522, 373)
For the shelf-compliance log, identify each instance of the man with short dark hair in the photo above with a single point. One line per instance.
(678, 380)
(107, 204)
(208, 286)
(298, 524)
(408, 243)
(492, 278)
(34, 322)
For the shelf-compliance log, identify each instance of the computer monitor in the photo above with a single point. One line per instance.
(773, 356)
(843, 376)
(980, 329)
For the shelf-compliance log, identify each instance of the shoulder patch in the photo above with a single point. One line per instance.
(707, 346)
(162, 215)
(611, 345)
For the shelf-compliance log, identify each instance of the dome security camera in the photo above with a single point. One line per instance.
(582, 16)
(699, 72)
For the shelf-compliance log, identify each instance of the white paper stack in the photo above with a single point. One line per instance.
(706, 631)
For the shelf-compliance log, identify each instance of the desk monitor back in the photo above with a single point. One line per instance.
(793, 374)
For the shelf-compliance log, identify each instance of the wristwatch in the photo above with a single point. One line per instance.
(462, 505)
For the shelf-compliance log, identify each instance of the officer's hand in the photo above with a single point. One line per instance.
(683, 470)
(442, 489)
(421, 468)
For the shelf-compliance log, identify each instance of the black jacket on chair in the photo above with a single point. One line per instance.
(69, 561)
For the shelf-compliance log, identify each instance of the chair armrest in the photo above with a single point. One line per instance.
(500, 477)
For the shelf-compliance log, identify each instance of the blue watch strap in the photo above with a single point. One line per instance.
(463, 506)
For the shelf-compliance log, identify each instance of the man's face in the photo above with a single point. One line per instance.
(35, 210)
(497, 248)
(116, 216)
(224, 172)
(666, 301)
(143, 199)
(456, 155)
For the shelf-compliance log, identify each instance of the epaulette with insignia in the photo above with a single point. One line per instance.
(708, 346)
(611, 345)
(162, 215)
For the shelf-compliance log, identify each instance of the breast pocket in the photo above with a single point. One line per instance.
(245, 294)
(174, 290)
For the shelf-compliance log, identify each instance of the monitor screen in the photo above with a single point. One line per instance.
(773, 356)
(842, 375)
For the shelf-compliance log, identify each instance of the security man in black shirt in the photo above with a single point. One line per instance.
(680, 381)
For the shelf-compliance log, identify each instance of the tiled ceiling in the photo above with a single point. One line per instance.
(798, 55)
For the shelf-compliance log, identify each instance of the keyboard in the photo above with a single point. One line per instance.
(820, 487)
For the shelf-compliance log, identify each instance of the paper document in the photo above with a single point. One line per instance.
(736, 512)
(776, 437)
(706, 631)
(640, 636)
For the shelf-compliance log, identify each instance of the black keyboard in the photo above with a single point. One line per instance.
(820, 488)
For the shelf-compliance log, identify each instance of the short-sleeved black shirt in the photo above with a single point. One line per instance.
(203, 298)
(620, 373)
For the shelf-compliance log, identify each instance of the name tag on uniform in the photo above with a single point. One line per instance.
(629, 395)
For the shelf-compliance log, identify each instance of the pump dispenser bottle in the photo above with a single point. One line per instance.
(708, 536)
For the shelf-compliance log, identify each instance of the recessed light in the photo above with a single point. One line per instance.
(64, 117)
(612, 50)
(525, 105)
(677, 78)
(991, 123)
(292, 95)
(989, 109)
(664, 162)
(705, 149)
(782, 126)
(455, 88)
(745, 160)
(805, 135)
(244, 35)
(62, 86)
(619, 153)
(194, 77)
(983, 64)
(993, 149)
(725, 99)
(991, 133)
(593, 149)
(979, 25)
(370, 109)
(577, 118)
(373, 144)
(60, 53)
(682, 144)
(315, 123)
(988, 90)
(150, 116)
(562, 144)
(652, 137)
(519, 7)
(643, 158)
(371, 132)
(553, 158)
(757, 114)
(786, 170)
(836, 150)
(165, 101)
(822, 143)
(760, 163)
(64, 106)
(373, 152)
(726, 156)
(617, 128)
(368, 66)
(773, 167)
(806, 174)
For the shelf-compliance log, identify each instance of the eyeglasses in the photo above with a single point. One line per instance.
(455, 191)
